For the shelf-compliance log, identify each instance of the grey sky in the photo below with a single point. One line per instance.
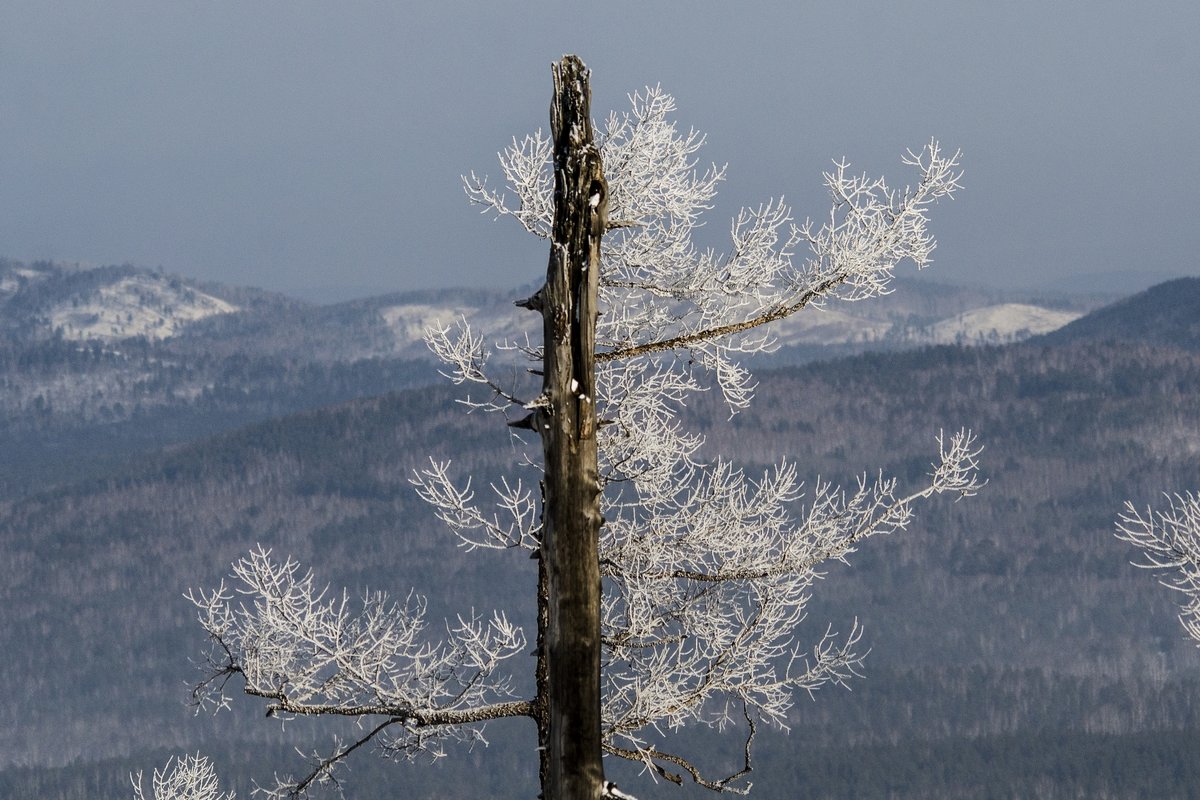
(294, 143)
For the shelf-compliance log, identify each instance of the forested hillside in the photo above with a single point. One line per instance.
(100, 364)
(1167, 314)
(1012, 643)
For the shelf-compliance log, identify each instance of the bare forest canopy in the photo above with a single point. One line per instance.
(1051, 653)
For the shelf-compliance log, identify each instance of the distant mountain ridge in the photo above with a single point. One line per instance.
(109, 304)
(1166, 314)
(97, 363)
(45, 300)
(98, 345)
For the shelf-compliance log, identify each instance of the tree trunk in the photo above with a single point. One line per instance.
(569, 673)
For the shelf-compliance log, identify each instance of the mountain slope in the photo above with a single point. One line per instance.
(1166, 314)
(108, 304)
(136, 305)
(998, 324)
(1019, 600)
(44, 300)
(99, 364)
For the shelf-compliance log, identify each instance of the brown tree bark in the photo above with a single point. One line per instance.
(569, 645)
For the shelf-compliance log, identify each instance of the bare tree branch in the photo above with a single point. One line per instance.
(729, 329)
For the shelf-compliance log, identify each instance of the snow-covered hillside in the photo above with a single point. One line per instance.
(44, 300)
(14, 279)
(828, 325)
(993, 324)
(139, 305)
(497, 321)
(998, 324)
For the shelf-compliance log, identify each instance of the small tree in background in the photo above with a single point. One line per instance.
(670, 583)
(1170, 540)
(186, 778)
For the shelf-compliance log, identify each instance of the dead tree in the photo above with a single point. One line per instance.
(670, 586)
(568, 704)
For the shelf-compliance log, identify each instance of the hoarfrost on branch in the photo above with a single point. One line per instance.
(707, 571)
(1170, 540)
(307, 650)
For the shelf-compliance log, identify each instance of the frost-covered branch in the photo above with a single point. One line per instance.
(871, 228)
(745, 535)
(708, 571)
(516, 524)
(182, 778)
(707, 585)
(662, 293)
(526, 167)
(464, 353)
(653, 759)
(308, 651)
(1170, 540)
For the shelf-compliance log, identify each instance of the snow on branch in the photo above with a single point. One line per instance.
(1170, 540)
(707, 571)
(464, 353)
(661, 293)
(526, 165)
(707, 584)
(456, 508)
(872, 227)
(183, 778)
(651, 167)
(644, 444)
(307, 650)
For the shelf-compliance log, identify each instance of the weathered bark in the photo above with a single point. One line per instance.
(569, 657)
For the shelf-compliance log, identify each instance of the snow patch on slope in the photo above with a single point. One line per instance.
(821, 325)
(1007, 322)
(996, 324)
(409, 321)
(140, 305)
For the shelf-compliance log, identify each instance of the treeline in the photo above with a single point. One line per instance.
(72, 385)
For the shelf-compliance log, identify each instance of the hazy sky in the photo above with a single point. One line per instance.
(293, 144)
